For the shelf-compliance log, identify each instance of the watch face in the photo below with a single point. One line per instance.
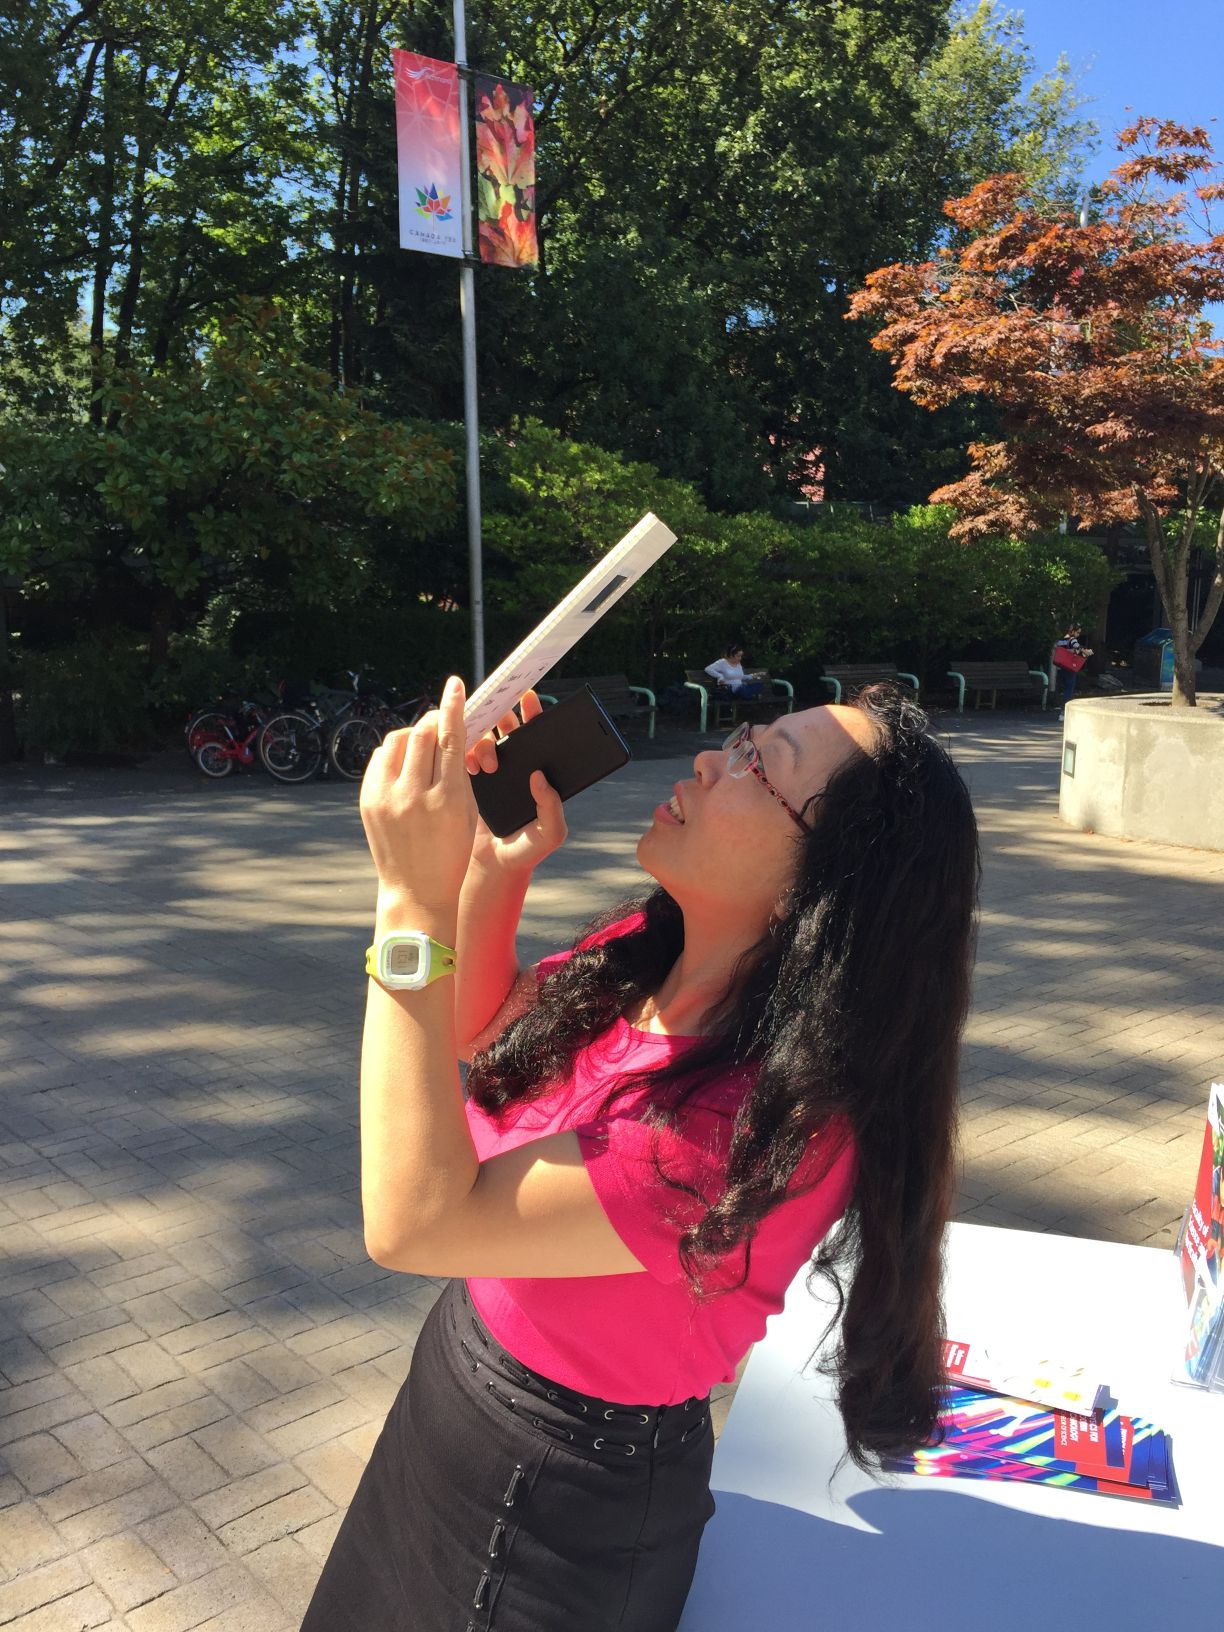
(404, 960)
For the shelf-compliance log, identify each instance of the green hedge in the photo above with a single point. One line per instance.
(90, 696)
(802, 597)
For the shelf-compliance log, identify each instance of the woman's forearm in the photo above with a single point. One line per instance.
(490, 906)
(417, 1156)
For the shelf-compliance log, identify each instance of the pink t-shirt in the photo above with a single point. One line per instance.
(643, 1339)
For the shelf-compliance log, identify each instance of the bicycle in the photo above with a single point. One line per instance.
(206, 725)
(354, 739)
(218, 739)
(291, 746)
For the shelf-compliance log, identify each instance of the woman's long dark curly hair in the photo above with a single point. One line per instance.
(851, 1007)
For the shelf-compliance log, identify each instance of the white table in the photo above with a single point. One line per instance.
(789, 1550)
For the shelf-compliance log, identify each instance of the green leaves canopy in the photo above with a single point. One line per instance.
(242, 468)
(715, 178)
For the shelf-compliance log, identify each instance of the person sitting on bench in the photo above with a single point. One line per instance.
(728, 673)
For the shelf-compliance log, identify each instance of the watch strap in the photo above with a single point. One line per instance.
(442, 962)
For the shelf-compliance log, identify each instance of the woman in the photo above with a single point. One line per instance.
(727, 672)
(662, 1126)
(1068, 675)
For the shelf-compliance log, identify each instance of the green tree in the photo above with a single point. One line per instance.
(983, 108)
(242, 471)
(1090, 342)
(715, 178)
(845, 589)
(146, 151)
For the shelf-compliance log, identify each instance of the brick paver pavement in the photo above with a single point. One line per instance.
(197, 1353)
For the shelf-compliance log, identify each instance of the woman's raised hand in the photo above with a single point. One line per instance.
(417, 807)
(527, 848)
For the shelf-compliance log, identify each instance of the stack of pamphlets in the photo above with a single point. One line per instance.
(1041, 1422)
(1200, 1251)
(990, 1436)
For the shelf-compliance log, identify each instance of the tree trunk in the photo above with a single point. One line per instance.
(168, 314)
(335, 329)
(351, 359)
(1169, 564)
(126, 315)
(9, 746)
(138, 214)
(1179, 622)
(102, 250)
(1183, 651)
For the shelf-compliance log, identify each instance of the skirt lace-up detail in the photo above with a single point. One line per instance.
(551, 1428)
(497, 1551)
(487, 1473)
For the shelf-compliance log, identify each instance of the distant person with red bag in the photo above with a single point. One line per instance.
(1069, 659)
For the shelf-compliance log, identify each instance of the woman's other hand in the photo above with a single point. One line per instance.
(525, 850)
(417, 807)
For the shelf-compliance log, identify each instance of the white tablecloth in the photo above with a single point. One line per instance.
(796, 1545)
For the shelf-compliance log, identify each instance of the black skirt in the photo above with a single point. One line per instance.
(498, 1501)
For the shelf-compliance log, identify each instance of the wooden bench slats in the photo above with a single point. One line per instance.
(1007, 675)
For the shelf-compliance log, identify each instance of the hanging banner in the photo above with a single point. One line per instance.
(427, 139)
(505, 173)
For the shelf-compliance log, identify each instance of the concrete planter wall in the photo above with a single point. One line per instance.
(1139, 769)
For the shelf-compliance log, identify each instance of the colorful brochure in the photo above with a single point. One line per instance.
(989, 1436)
(1044, 1381)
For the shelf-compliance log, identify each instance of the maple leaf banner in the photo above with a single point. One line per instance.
(429, 163)
(505, 173)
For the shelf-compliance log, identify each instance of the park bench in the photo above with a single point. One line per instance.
(621, 701)
(852, 677)
(728, 709)
(980, 678)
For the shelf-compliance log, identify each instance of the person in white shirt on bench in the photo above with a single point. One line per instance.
(728, 671)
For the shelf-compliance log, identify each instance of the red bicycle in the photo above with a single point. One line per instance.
(218, 739)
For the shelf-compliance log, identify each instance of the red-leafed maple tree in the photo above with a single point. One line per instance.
(1091, 344)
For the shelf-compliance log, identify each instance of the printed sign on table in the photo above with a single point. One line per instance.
(1200, 1251)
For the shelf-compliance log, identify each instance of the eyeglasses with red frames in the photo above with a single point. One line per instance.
(744, 757)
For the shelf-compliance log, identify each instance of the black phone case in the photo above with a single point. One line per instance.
(573, 743)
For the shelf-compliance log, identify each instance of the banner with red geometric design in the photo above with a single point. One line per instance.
(430, 166)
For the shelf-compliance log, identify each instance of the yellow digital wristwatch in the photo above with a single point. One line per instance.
(408, 960)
